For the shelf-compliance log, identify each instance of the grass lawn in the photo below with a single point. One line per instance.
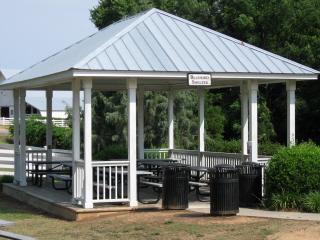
(152, 225)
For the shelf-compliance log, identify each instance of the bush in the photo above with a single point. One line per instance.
(234, 146)
(269, 149)
(36, 135)
(311, 202)
(294, 170)
(112, 152)
(284, 200)
(6, 179)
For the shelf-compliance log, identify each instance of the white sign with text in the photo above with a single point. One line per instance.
(199, 79)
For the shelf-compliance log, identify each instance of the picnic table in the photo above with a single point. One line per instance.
(37, 173)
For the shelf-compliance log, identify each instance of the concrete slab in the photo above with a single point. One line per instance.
(10, 235)
(58, 203)
(4, 223)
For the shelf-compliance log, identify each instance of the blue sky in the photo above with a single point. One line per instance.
(31, 30)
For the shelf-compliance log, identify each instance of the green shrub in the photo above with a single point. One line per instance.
(36, 135)
(284, 200)
(234, 146)
(294, 170)
(112, 152)
(269, 149)
(6, 179)
(311, 202)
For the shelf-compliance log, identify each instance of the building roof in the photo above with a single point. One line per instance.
(7, 73)
(59, 103)
(161, 42)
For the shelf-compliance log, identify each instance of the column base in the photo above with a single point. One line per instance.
(23, 184)
(87, 205)
(133, 203)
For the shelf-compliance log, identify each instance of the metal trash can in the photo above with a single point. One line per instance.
(250, 184)
(175, 187)
(224, 190)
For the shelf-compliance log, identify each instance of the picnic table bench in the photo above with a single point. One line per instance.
(67, 179)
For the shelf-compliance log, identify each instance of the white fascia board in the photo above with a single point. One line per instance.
(183, 75)
(265, 76)
(128, 74)
(49, 80)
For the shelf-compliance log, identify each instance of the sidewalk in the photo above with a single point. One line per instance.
(269, 214)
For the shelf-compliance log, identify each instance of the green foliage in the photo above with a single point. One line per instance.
(311, 202)
(6, 179)
(285, 200)
(294, 170)
(269, 148)
(36, 134)
(112, 152)
(295, 35)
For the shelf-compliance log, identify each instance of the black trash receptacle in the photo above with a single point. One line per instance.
(175, 187)
(224, 190)
(250, 184)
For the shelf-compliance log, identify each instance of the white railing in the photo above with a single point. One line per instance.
(78, 181)
(35, 156)
(156, 153)
(110, 181)
(207, 159)
(57, 122)
(6, 162)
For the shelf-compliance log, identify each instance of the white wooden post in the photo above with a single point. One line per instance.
(49, 124)
(253, 106)
(88, 201)
(75, 136)
(16, 136)
(291, 111)
(201, 94)
(171, 120)
(140, 123)
(244, 117)
(23, 181)
(132, 150)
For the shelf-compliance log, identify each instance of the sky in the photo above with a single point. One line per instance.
(31, 30)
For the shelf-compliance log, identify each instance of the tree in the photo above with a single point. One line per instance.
(287, 27)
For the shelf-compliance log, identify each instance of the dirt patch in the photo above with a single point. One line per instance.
(299, 233)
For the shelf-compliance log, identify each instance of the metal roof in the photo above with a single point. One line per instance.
(158, 41)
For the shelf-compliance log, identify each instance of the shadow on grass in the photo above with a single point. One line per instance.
(13, 210)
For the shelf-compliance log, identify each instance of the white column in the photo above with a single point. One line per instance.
(140, 123)
(170, 120)
(291, 113)
(49, 94)
(132, 151)
(75, 135)
(87, 86)
(253, 119)
(23, 181)
(201, 94)
(16, 136)
(244, 117)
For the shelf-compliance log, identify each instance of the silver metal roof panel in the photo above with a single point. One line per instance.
(158, 41)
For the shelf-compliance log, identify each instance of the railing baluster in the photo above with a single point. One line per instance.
(104, 182)
(98, 184)
(110, 183)
(116, 183)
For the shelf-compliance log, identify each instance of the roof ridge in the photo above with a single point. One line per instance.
(237, 41)
(140, 17)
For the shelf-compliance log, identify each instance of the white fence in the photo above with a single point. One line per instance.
(56, 122)
(110, 181)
